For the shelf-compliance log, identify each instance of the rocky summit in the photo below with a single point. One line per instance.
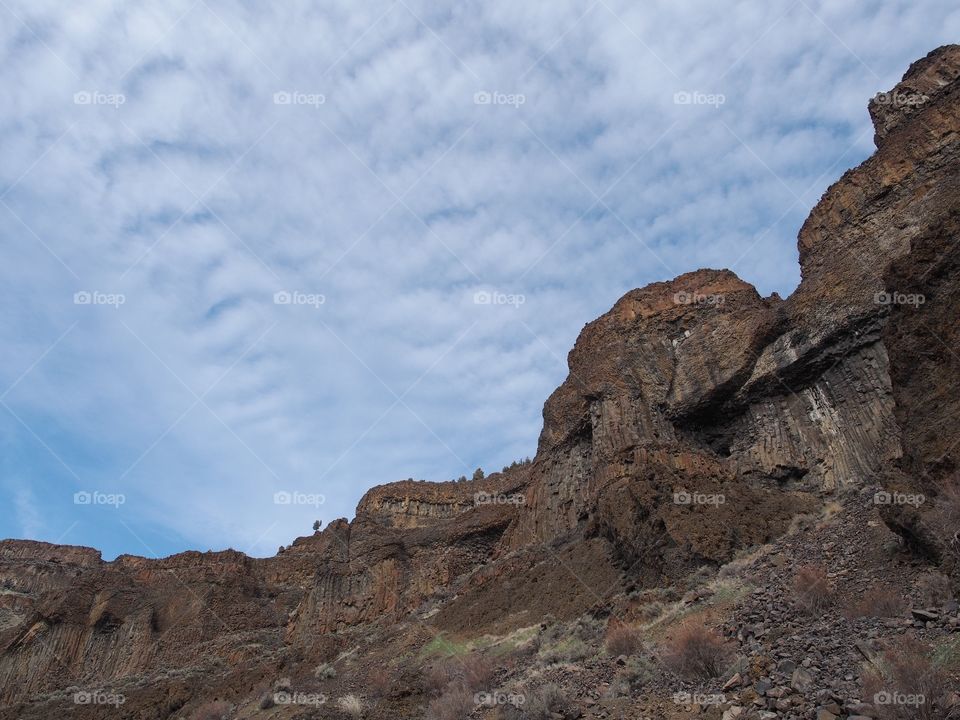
(740, 507)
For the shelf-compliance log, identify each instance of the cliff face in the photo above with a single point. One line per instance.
(698, 418)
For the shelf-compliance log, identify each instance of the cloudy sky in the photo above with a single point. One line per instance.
(310, 247)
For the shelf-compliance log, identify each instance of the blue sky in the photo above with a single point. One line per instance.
(308, 248)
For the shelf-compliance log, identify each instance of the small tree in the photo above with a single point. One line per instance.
(316, 525)
(478, 474)
(462, 478)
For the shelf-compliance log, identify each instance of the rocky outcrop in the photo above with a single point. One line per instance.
(705, 384)
(698, 419)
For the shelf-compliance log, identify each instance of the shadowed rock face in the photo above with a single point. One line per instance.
(697, 419)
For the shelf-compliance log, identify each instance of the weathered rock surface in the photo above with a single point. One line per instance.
(698, 419)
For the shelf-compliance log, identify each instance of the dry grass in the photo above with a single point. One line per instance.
(437, 677)
(569, 650)
(801, 522)
(471, 672)
(456, 703)
(695, 653)
(743, 560)
(380, 681)
(623, 640)
(809, 520)
(948, 505)
(651, 611)
(634, 676)
(812, 590)
(908, 673)
(934, 589)
(325, 672)
(877, 602)
(562, 643)
(589, 629)
(351, 705)
(548, 702)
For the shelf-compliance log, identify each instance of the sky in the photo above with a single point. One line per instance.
(257, 258)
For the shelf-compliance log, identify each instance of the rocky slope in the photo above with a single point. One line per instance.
(698, 420)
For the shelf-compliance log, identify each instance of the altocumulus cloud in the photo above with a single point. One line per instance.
(305, 247)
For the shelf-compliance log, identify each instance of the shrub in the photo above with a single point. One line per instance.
(623, 640)
(812, 590)
(569, 650)
(633, 677)
(455, 703)
(695, 653)
(696, 579)
(351, 705)
(475, 672)
(651, 611)
(547, 702)
(437, 678)
(267, 701)
(380, 680)
(471, 672)
(551, 631)
(877, 602)
(801, 522)
(934, 589)
(947, 655)
(217, 710)
(908, 671)
(325, 672)
(733, 569)
(570, 643)
(589, 629)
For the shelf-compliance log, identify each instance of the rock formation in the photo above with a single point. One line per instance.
(698, 419)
